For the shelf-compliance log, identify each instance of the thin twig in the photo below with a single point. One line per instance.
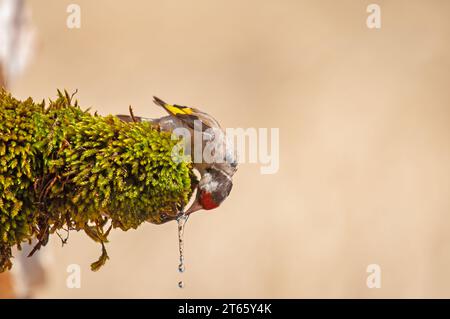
(132, 114)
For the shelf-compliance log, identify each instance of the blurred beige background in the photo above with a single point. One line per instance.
(364, 141)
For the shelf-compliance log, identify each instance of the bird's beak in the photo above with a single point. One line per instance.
(194, 207)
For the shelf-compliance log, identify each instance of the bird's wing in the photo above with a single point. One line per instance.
(173, 109)
(184, 113)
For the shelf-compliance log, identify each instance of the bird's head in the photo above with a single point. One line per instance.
(214, 186)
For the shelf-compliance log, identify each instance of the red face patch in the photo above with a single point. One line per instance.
(207, 201)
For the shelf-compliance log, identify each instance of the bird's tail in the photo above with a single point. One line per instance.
(159, 102)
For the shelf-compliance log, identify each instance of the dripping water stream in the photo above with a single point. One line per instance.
(181, 220)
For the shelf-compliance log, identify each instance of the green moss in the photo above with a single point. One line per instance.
(62, 168)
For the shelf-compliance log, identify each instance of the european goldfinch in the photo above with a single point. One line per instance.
(216, 176)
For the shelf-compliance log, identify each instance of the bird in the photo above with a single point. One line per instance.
(216, 176)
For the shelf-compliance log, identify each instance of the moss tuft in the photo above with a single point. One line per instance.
(62, 168)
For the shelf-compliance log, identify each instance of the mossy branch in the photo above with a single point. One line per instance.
(62, 168)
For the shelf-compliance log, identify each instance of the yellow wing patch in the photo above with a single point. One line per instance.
(178, 110)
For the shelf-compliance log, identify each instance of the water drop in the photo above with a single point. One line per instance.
(181, 268)
(180, 284)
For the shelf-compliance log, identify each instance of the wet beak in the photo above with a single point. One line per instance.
(194, 207)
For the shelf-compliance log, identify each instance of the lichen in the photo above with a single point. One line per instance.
(62, 168)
